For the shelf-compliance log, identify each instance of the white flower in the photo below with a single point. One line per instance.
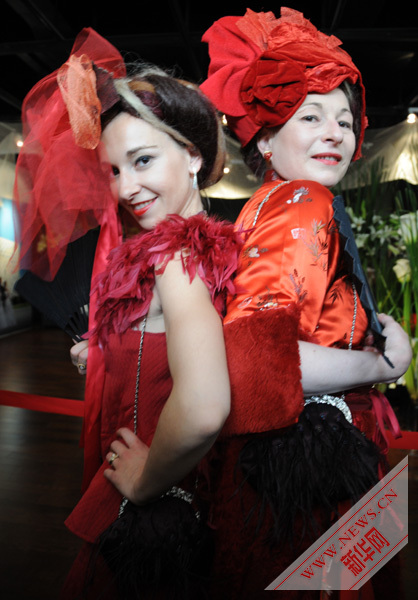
(402, 270)
(361, 240)
(409, 227)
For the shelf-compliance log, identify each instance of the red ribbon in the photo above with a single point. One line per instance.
(385, 417)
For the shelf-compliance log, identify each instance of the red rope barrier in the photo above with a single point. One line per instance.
(61, 406)
(408, 441)
(75, 408)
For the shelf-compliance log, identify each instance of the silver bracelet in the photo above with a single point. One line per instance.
(336, 401)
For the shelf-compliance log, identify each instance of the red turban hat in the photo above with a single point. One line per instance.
(261, 69)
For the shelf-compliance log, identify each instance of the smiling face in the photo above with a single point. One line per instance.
(317, 143)
(153, 174)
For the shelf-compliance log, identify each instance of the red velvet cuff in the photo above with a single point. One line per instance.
(264, 369)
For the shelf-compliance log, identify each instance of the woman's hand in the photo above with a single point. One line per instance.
(79, 354)
(330, 370)
(125, 470)
(397, 348)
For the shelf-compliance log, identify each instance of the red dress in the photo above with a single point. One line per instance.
(291, 284)
(209, 249)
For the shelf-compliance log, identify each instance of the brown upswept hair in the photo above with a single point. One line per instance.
(178, 108)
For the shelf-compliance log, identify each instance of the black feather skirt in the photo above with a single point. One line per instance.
(307, 470)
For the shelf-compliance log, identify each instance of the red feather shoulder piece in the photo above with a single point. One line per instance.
(208, 247)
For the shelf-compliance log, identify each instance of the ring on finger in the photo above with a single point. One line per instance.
(114, 456)
(81, 366)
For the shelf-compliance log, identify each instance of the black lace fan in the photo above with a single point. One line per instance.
(354, 266)
(65, 299)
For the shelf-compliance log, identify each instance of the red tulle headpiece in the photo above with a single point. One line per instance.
(62, 190)
(262, 68)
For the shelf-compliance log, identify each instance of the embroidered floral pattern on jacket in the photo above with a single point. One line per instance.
(253, 252)
(266, 301)
(298, 285)
(246, 302)
(317, 244)
(336, 293)
(299, 196)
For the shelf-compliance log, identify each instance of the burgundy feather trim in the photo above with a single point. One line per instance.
(209, 248)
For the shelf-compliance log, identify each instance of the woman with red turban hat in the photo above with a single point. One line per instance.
(285, 461)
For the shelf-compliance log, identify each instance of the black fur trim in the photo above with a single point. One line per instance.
(310, 466)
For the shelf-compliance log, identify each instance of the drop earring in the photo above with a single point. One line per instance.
(195, 185)
(267, 155)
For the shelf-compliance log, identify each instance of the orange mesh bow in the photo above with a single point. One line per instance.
(77, 82)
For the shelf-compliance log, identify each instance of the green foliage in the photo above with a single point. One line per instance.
(384, 219)
(407, 205)
(375, 224)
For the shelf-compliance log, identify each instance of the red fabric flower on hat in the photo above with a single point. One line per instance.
(272, 90)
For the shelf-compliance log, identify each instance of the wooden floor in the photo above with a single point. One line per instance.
(41, 465)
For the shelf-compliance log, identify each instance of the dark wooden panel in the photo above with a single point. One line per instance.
(38, 362)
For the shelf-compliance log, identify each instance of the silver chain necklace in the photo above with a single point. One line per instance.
(175, 491)
(262, 203)
(138, 371)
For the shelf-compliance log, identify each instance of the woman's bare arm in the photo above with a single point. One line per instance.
(200, 399)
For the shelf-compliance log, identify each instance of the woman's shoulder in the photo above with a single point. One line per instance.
(280, 197)
(304, 192)
(199, 238)
(206, 247)
(294, 191)
(199, 235)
